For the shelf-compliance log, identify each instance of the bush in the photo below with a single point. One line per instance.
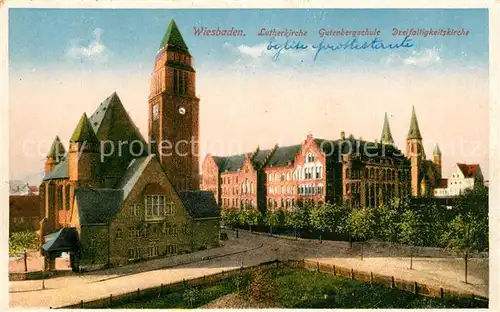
(18, 241)
(262, 286)
(190, 296)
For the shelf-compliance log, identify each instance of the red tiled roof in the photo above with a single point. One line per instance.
(469, 171)
(33, 188)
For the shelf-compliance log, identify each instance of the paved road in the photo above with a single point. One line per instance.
(70, 290)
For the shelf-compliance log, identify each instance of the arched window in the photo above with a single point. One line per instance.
(366, 173)
(68, 196)
(60, 197)
(372, 173)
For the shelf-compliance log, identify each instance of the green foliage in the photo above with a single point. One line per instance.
(230, 217)
(386, 220)
(191, 296)
(468, 231)
(298, 218)
(410, 227)
(361, 223)
(275, 218)
(327, 218)
(18, 241)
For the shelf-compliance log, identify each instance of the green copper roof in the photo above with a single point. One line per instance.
(437, 151)
(414, 132)
(173, 37)
(57, 149)
(386, 137)
(84, 131)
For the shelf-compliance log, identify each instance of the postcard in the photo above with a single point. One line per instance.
(249, 157)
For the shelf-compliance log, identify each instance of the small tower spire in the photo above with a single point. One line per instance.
(414, 132)
(386, 137)
(436, 151)
(84, 131)
(55, 155)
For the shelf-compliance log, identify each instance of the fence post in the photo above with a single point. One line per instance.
(317, 265)
(161, 289)
(371, 278)
(81, 304)
(352, 273)
(416, 288)
(392, 282)
(334, 273)
(110, 300)
(138, 292)
(441, 292)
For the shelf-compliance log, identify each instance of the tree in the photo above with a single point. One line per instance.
(468, 231)
(387, 219)
(230, 217)
(326, 218)
(361, 224)
(250, 217)
(298, 218)
(274, 219)
(410, 231)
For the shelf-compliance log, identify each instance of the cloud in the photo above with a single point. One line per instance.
(95, 51)
(255, 51)
(423, 58)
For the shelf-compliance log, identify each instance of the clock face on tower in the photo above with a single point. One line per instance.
(182, 110)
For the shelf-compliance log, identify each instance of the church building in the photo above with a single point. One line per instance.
(112, 198)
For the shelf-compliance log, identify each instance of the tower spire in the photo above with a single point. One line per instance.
(414, 132)
(173, 38)
(436, 151)
(386, 137)
(84, 131)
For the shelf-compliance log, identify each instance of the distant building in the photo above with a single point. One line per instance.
(24, 213)
(463, 177)
(17, 187)
(347, 170)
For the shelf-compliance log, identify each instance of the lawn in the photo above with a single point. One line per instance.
(300, 288)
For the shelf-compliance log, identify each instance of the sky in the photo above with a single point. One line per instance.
(63, 62)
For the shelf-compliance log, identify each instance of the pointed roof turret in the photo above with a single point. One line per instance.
(386, 137)
(414, 132)
(84, 131)
(173, 37)
(437, 151)
(57, 149)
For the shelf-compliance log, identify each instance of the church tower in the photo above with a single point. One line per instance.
(386, 137)
(174, 111)
(415, 152)
(436, 159)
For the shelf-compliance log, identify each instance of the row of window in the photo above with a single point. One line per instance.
(227, 180)
(245, 188)
(310, 189)
(152, 251)
(236, 202)
(63, 196)
(181, 80)
(300, 173)
(381, 174)
(285, 203)
(153, 230)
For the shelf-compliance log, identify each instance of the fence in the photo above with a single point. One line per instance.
(367, 277)
(388, 281)
(163, 289)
